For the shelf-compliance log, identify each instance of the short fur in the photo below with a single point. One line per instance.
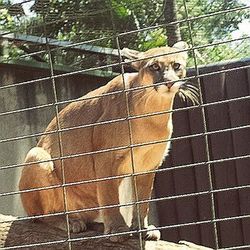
(96, 108)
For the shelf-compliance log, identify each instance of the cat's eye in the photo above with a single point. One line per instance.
(176, 66)
(155, 66)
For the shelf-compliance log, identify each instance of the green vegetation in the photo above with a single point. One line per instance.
(83, 20)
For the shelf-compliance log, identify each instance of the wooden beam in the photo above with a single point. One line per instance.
(56, 43)
(62, 68)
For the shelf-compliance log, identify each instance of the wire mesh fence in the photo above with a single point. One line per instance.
(201, 192)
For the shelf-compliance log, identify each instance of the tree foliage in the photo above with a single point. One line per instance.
(83, 20)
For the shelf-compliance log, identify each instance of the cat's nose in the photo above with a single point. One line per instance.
(169, 81)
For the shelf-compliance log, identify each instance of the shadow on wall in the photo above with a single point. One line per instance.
(16, 127)
(227, 120)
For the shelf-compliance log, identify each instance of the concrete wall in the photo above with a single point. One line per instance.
(21, 124)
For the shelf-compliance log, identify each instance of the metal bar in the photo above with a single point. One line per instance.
(172, 197)
(157, 26)
(83, 43)
(197, 164)
(113, 65)
(204, 120)
(135, 186)
(59, 136)
(138, 202)
(63, 68)
(88, 48)
(143, 230)
(127, 146)
(131, 117)
(83, 46)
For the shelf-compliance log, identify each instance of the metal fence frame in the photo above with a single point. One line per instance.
(56, 104)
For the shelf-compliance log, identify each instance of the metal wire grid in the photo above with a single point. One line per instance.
(187, 19)
(208, 162)
(211, 184)
(65, 201)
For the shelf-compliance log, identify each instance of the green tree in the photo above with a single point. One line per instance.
(83, 20)
(170, 13)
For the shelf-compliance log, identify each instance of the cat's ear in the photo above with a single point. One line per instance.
(182, 46)
(133, 55)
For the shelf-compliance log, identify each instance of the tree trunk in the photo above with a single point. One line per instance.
(170, 14)
(15, 233)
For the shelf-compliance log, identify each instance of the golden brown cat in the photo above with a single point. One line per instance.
(104, 150)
